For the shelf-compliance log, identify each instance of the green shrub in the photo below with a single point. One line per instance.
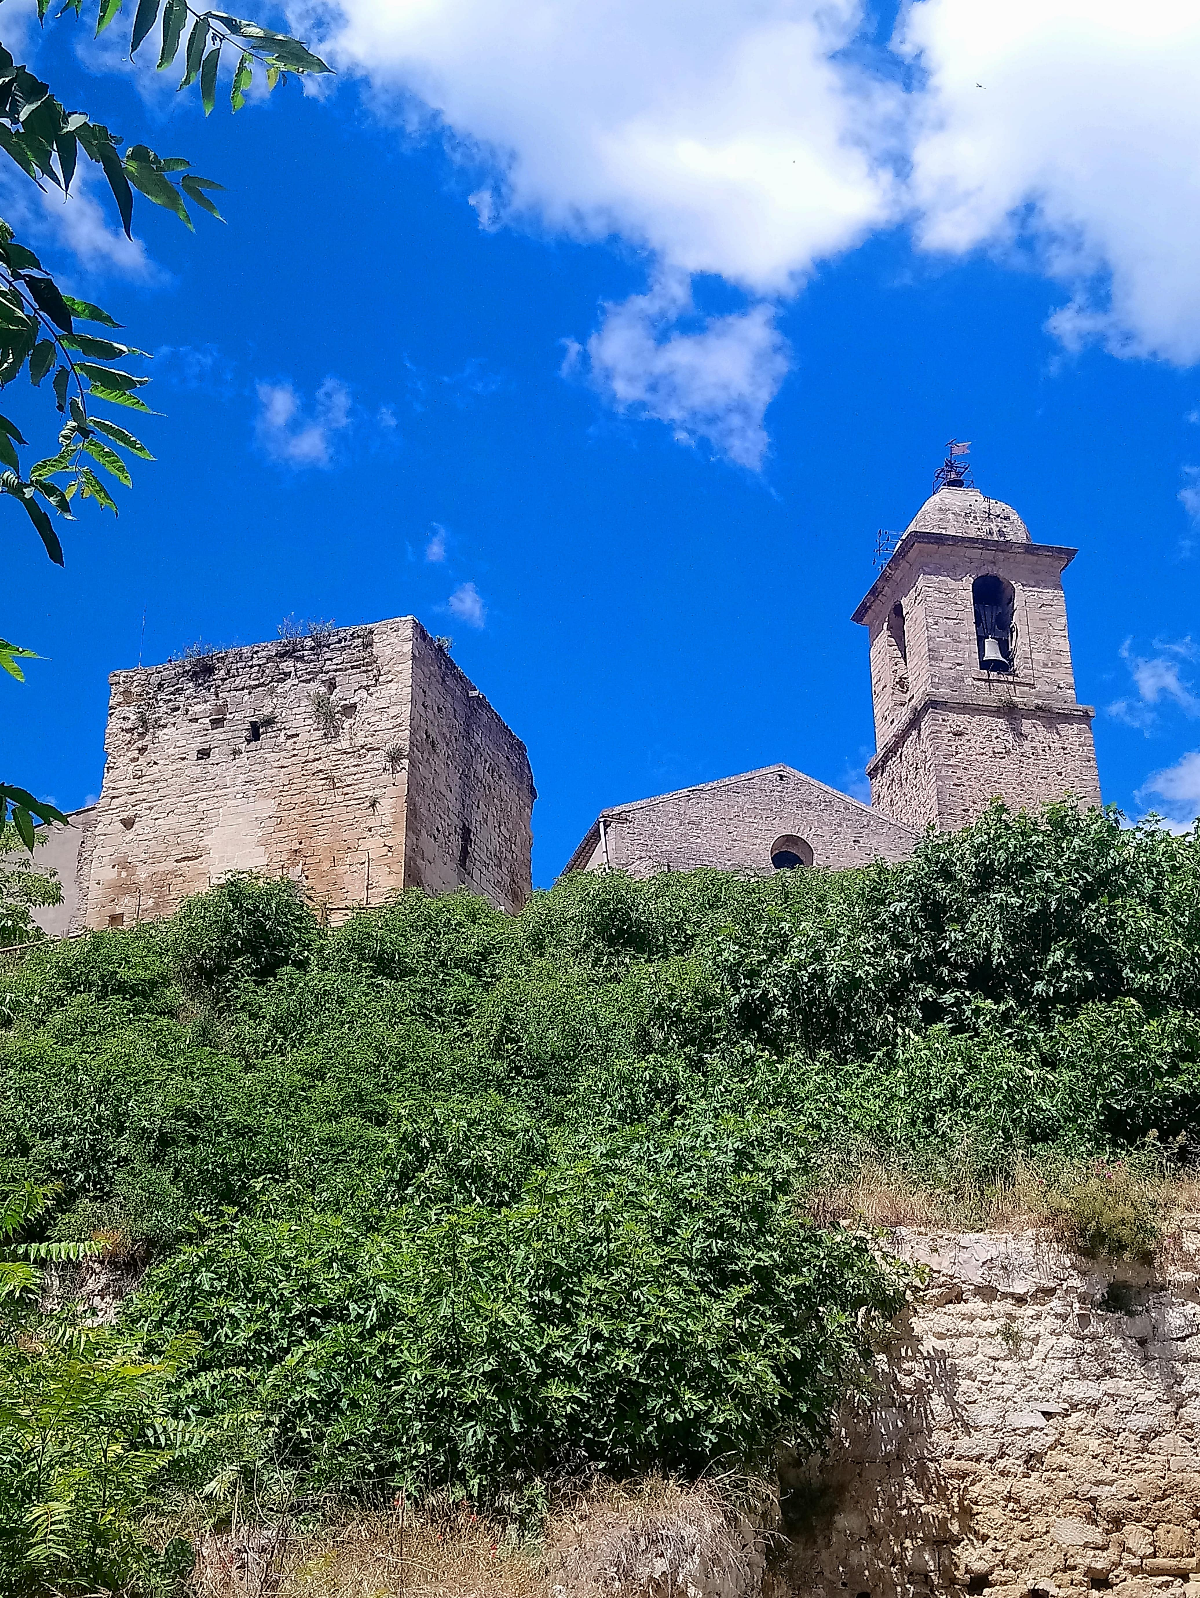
(243, 931)
(453, 1196)
(1110, 1215)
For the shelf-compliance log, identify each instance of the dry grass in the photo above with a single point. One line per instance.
(605, 1540)
(877, 1193)
(389, 1555)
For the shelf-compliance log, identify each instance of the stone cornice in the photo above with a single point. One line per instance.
(1059, 553)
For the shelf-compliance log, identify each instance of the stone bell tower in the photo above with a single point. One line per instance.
(971, 675)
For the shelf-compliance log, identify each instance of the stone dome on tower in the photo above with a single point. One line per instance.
(966, 513)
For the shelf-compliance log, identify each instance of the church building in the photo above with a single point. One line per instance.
(974, 699)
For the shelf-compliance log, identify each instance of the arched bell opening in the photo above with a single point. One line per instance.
(790, 851)
(896, 630)
(995, 634)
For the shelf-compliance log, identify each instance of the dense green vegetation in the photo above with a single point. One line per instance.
(453, 1199)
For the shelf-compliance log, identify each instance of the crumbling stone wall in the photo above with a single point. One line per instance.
(1036, 1430)
(308, 757)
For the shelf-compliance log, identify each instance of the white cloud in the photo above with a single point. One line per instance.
(465, 603)
(1178, 787)
(82, 222)
(720, 138)
(715, 383)
(1189, 494)
(1159, 683)
(1071, 125)
(435, 549)
(747, 141)
(714, 138)
(297, 438)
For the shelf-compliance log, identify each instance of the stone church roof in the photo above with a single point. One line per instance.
(966, 513)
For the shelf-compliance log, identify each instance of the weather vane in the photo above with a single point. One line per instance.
(954, 472)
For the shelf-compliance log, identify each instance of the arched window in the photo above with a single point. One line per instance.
(995, 634)
(789, 852)
(896, 629)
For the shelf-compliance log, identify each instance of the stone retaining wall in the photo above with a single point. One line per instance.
(1036, 1429)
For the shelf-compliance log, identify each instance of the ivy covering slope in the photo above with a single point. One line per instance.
(459, 1199)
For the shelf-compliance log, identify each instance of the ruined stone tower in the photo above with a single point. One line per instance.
(359, 761)
(971, 677)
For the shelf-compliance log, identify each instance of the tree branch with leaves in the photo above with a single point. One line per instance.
(41, 335)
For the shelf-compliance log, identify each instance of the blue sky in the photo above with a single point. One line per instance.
(624, 435)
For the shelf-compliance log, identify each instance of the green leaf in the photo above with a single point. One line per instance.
(17, 147)
(144, 20)
(98, 143)
(174, 18)
(9, 654)
(57, 498)
(120, 436)
(53, 463)
(99, 349)
(108, 377)
(18, 256)
(45, 294)
(108, 10)
(12, 430)
(194, 188)
(197, 39)
(95, 489)
(44, 530)
(156, 186)
(67, 146)
(62, 381)
(241, 81)
(8, 454)
(118, 396)
(41, 361)
(12, 795)
(23, 822)
(208, 81)
(89, 313)
(287, 52)
(109, 459)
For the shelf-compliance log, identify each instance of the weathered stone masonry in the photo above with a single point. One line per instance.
(360, 762)
(951, 736)
(1035, 1430)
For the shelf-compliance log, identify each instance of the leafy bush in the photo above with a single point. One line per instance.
(460, 1198)
(243, 931)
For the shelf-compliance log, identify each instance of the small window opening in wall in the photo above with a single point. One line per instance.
(216, 721)
(994, 633)
(203, 754)
(896, 629)
(255, 733)
(464, 847)
(790, 851)
(1099, 1584)
(117, 919)
(978, 1584)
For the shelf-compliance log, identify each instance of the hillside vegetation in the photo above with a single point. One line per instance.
(451, 1201)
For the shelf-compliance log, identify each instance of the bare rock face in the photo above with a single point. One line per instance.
(1035, 1430)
